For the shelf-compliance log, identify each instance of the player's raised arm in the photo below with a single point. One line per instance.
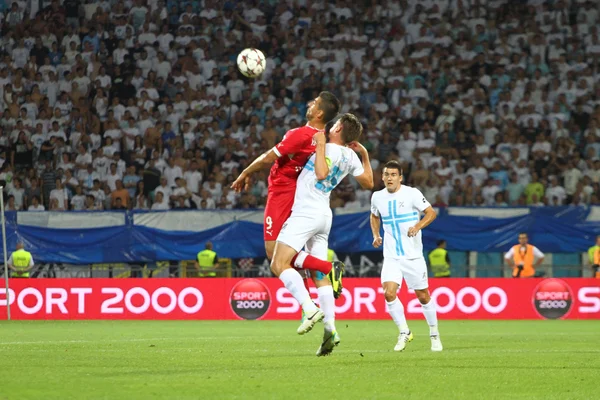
(289, 145)
(263, 161)
(321, 167)
(365, 180)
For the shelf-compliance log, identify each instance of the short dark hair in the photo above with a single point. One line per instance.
(441, 242)
(329, 125)
(523, 233)
(330, 105)
(351, 128)
(393, 164)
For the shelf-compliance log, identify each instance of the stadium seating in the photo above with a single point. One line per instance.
(451, 88)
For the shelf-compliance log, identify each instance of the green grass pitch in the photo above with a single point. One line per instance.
(267, 360)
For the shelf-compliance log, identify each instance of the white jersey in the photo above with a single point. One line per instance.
(400, 211)
(312, 195)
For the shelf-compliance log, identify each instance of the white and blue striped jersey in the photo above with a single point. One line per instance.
(312, 195)
(400, 211)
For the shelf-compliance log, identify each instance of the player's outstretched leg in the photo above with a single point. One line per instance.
(327, 303)
(335, 269)
(396, 310)
(293, 282)
(430, 313)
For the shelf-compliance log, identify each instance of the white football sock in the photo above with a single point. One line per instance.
(293, 282)
(327, 303)
(396, 310)
(430, 313)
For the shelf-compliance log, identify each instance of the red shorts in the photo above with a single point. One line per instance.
(277, 211)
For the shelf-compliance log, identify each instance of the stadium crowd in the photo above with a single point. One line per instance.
(138, 104)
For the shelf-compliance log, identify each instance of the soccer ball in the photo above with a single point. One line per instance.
(251, 62)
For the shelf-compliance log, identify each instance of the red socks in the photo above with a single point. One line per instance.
(306, 261)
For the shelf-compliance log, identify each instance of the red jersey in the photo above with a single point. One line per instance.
(294, 151)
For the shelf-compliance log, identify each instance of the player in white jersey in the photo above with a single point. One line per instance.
(398, 207)
(310, 221)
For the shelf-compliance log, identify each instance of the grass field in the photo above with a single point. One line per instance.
(267, 360)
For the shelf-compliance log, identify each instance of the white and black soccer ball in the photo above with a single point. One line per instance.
(251, 62)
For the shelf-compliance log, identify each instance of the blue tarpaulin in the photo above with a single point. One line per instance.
(101, 237)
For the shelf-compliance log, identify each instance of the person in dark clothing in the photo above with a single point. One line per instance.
(40, 52)
(151, 178)
(47, 149)
(22, 154)
(48, 182)
(72, 11)
(124, 90)
(128, 66)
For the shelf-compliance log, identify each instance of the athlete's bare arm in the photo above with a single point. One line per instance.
(321, 167)
(430, 215)
(365, 180)
(263, 161)
(376, 229)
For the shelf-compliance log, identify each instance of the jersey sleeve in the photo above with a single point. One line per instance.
(292, 143)
(537, 253)
(356, 168)
(374, 209)
(419, 201)
(509, 254)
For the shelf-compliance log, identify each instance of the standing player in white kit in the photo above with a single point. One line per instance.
(311, 217)
(399, 207)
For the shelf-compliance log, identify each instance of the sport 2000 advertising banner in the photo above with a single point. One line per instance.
(230, 299)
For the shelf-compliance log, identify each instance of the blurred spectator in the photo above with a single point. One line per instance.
(59, 197)
(159, 202)
(35, 204)
(514, 189)
(78, 200)
(555, 194)
(120, 196)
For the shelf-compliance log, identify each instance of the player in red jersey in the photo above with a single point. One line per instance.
(290, 155)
